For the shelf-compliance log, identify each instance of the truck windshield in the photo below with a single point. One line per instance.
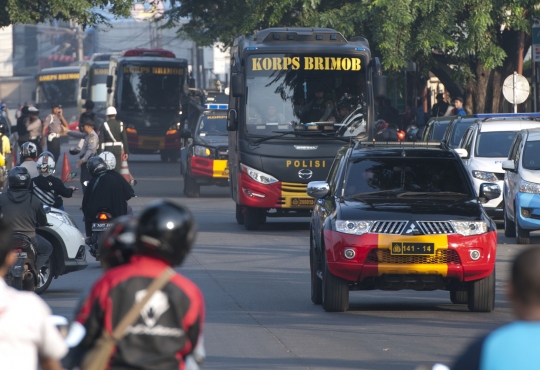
(324, 94)
(152, 88)
(213, 125)
(494, 144)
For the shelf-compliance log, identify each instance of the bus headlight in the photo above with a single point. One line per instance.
(202, 151)
(258, 176)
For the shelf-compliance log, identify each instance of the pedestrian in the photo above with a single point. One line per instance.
(169, 324)
(458, 104)
(439, 109)
(28, 335)
(34, 128)
(114, 138)
(56, 124)
(515, 345)
(89, 148)
(28, 158)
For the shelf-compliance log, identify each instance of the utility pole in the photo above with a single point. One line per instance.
(80, 41)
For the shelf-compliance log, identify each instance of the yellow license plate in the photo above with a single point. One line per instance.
(412, 249)
(302, 202)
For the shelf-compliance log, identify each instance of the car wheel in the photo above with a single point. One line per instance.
(522, 236)
(335, 292)
(46, 276)
(252, 218)
(459, 296)
(482, 294)
(316, 282)
(164, 155)
(509, 227)
(239, 214)
(191, 188)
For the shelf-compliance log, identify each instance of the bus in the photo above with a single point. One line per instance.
(93, 79)
(146, 86)
(57, 85)
(300, 73)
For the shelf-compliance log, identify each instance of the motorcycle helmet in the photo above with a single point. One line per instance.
(29, 150)
(19, 178)
(165, 231)
(45, 164)
(116, 246)
(96, 166)
(74, 150)
(109, 159)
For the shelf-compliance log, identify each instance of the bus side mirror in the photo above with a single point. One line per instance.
(34, 95)
(379, 86)
(84, 81)
(232, 120)
(109, 81)
(191, 82)
(237, 85)
(83, 93)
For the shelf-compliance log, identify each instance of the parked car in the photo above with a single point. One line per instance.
(487, 144)
(522, 186)
(435, 128)
(456, 129)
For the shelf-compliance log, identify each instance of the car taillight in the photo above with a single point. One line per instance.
(401, 135)
(104, 216)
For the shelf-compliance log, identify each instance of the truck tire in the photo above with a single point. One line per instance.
(252, 219)
(239, 214)
(191, 188)
(482, 294)
(509, 227)
(459, 296)
(522, 236)
(316, 282)
(335, 292)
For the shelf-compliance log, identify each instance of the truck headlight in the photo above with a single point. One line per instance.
(258, 176)
(202, 151)
(529, 187)
(485, 176)
(353, 227)
(468, 228)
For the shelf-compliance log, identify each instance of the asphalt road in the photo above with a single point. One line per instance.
(257, 291)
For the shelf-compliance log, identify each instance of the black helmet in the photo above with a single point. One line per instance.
(165, 231)
(29, 150)
(74, 150)
(96, 166)
(89, 104)
(19, 178)
(116, 246)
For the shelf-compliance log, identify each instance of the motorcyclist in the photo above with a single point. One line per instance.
(29, 152)
(169, 326)
(25, 212)
(103, 192)
(46, 187)
(110, 160)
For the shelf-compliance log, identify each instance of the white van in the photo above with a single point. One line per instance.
(487, 144)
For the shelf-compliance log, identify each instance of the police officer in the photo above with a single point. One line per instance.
(319, 109)
(114, 138)
(56, 124)
(89, 148)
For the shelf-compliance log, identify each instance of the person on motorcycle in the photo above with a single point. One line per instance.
(46, 187)
(29, 337)
(117, 243)
(29, 154)
(170, 324)
(110, 160)
(102, 192)
(25, 212)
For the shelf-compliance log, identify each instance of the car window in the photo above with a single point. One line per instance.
(432, 175)
(458, 130)
(212, 125)
(467, 140)
(331, 179)
(531, 155)
(439, 128)
(515, 147)
(494, 144)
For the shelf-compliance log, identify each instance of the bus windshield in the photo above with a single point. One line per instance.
(318, 93)
(153, 88)
(98, 85)
(59, 91)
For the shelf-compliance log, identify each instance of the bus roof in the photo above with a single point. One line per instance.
(55, 70)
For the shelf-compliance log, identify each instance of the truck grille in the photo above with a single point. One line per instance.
(442, 256)
(388, 227)
(436, 227)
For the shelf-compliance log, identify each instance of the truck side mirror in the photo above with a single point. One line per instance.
(84, 81)
(191, 82)
(379, 86)
(109, 81)
(232, 120)
(237, 85)
(84, 93)
(185, 134)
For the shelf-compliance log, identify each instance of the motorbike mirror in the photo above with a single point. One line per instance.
(61, 324)
(75, 334)
(72, 175)
(47, 209)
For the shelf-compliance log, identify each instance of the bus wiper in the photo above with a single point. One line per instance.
(342, 138)
(273, 137)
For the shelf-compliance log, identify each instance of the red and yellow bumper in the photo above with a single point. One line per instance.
(277, 195)
(373, 256)
(208, 167)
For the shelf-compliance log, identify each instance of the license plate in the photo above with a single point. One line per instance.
(22, 255)
(152, 143)
(101, 226)
(302, 202)
(412, 248)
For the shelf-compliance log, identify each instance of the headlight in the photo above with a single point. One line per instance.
(61, 217)
(258, 176)
(485, 176)
(529, 187)
(468, 228)
(353, 227)
(202, 151)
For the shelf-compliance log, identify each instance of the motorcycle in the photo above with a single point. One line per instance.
(23, 274)
(102, 222)
(385, 131)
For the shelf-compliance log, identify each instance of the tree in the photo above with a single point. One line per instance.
(83, 12)
(471, 45)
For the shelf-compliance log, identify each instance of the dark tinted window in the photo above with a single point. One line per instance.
(494, 144)
(438, 130)
(458, 132)
(531, 155)
(405, 175)
(213, 125)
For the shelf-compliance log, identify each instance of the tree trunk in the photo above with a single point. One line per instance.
(480, 90)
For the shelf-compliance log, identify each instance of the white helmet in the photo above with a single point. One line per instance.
(109, 159)
(111, 111)
(45, 164)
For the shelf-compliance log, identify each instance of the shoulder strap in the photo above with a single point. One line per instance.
(135, 311)
(106, 125)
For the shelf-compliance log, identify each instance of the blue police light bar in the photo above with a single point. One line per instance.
(216, 106)
(507, 115)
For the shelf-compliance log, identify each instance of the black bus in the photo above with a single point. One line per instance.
(284, 84)
(146, 87)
